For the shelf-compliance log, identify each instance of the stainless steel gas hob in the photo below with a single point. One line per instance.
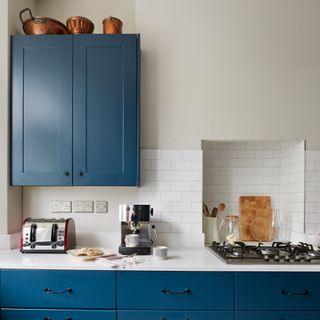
(276, 253)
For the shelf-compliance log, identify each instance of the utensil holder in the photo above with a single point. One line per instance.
(211, 230)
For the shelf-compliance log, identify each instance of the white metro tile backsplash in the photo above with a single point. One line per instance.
(312, 201)
(274, 168)
(171, 180)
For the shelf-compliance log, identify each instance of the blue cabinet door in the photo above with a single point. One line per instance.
(106, 94)
(58, 289)
(41, 110)
(277, 315)
(174, 315)
(277, 291)
(47, 314)
(175, 290)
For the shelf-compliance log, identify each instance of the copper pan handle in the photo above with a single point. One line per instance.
(23, 11)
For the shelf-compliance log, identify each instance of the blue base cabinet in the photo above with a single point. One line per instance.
(175, 315)
(150, 295)
(277, 315)
(47, 314)
(75, 110)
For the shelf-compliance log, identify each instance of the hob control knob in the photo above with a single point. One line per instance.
(276, 258)
(296, 258)
(266, 258)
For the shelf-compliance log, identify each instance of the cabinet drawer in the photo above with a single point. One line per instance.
(176, 290)
(175, 315)
(47, 314)
(58, 289)
(278, 291)
(277, 315)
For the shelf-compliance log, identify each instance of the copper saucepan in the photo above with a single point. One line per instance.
(41, 25)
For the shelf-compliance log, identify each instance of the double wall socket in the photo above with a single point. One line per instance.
(61, 206)
(82, 206)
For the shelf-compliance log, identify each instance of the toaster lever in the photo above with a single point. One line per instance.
(33, 232)
(54, 233)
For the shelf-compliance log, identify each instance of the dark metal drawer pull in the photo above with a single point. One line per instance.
(50, 291)
(46, 318)
(167, 291)
(289, 293)
(69, 318)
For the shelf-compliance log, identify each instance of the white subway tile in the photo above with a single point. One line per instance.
(191, 217)
(170, 196)
(228, 154)
(181, 227)
(181, 164)
(196, 186)
(196, 227)
(147, 196)
(264, 154)
(180, 206)
(196, 165)
(254, 163)
(192, 155)
(254, 180)
(191, 176)
(171, 217)
(181, 185)
(271, 163)
(196, 206)
(160, 164)
(254, 145)
(145, 164)
(150, 154)
(170, 175)
(191, 196)
(170, 154)
(160, 186)
(271, 180)
(246, 154)
(246, 189)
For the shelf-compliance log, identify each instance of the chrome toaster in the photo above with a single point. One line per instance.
(47, 235)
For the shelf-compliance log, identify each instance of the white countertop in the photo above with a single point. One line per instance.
(195, 259)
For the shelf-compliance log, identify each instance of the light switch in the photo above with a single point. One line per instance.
(101, 206)
(61, 206)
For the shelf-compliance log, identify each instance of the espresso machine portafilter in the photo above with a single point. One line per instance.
(135, 219)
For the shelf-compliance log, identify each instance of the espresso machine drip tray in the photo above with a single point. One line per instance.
(134, 250)
(135, 229)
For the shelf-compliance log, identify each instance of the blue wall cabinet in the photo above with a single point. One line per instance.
(75, 110)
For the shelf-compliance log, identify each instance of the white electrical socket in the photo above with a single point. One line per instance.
(82, 206)
(101, 206)
(61, 206)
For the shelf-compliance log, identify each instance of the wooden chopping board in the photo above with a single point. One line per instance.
(255, 218)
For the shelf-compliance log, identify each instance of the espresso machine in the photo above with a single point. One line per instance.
(136, 224)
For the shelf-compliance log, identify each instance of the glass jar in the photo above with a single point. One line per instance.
(229, 229)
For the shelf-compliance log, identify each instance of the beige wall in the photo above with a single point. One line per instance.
(247, 69)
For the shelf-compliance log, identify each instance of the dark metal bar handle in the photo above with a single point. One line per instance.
(50, 291)
(286, 319)
(69, 318)
(46, 318)
(289, 293)
(167, 291)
